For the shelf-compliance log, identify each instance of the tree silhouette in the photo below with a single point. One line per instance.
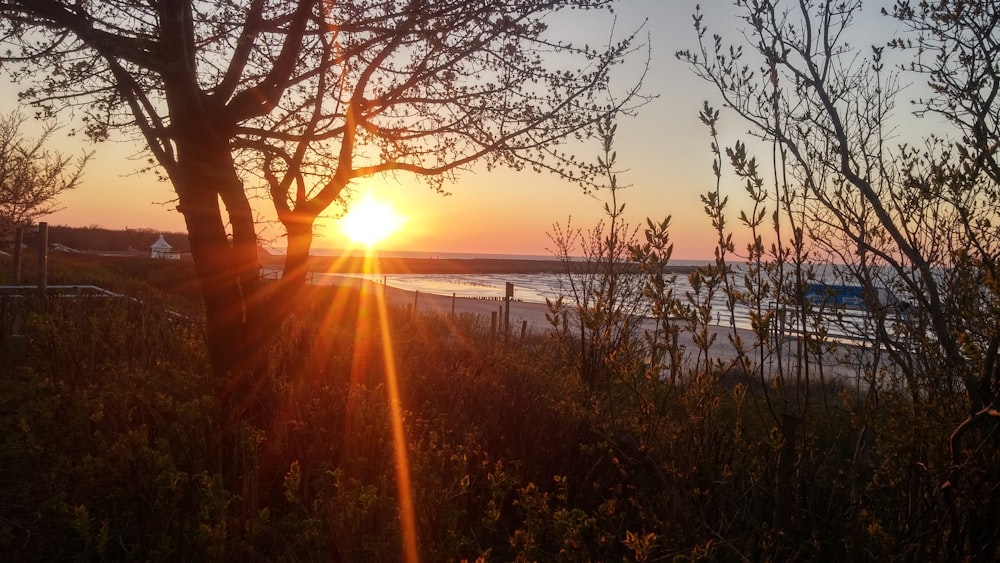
(31, 175)
(919, 217)
(307, 96)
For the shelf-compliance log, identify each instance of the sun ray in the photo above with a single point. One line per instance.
(403, 485)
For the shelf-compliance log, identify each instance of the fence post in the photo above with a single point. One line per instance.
(18, 243)
(506, 310)
(43, 255)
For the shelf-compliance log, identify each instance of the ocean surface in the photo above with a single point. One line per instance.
(357, 252)
(530, 288)
(536, 288)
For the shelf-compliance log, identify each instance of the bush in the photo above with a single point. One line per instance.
(114, 447)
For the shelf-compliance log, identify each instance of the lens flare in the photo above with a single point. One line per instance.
(406, 511)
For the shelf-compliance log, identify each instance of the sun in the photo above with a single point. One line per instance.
(369, 220)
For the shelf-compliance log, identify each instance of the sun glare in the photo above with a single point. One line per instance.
(369, 220)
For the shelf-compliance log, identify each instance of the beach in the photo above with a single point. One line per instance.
(532, 318)
(520, 312)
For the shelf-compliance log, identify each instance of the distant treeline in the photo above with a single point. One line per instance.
(111, 240)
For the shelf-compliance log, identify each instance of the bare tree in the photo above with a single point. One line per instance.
(309, 95)
(31, 175)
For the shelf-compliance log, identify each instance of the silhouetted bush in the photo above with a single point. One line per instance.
(114, 448)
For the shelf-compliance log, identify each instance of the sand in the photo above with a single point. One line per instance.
(532, 318)
(532, 313)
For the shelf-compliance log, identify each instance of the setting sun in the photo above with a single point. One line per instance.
(370, 220)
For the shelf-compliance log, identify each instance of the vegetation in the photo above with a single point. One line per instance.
(915, 219)
(113, 240)
(599, 443)
(301, 98)
(31, 174)
(114, 448)
(404, 436)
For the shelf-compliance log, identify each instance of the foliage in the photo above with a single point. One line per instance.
(114, 448)
(605, 299)
(801, 446)
(31, 175)
(94, 238)
(302, 98)
(912, 225)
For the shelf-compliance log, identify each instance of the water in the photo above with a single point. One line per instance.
(530, 288)
(422, 254)
(850, 324)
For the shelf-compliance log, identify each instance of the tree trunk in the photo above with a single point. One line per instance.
(300, 236)
(242, 314)
(214, 261)
(227, 267)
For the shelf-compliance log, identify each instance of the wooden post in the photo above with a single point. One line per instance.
(493, 324)
(43, 255)
(416, 296)
(524, 329)
(18, 243)
(452, 304)
(506, 310)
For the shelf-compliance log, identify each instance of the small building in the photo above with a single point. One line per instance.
(162, 249)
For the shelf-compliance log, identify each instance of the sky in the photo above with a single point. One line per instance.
(663, 158)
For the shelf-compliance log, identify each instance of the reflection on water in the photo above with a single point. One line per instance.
(531, 288)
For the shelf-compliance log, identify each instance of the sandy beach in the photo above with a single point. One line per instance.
(520, 312)
(531, 317)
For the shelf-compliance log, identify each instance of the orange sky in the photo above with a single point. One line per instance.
(663, 155)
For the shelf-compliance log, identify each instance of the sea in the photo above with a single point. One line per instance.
(537, 288)
(530, 288)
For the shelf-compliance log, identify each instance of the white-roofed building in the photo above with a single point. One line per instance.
(162, 249)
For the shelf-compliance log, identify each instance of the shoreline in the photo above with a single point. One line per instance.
(532, 317)
(411, 265)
